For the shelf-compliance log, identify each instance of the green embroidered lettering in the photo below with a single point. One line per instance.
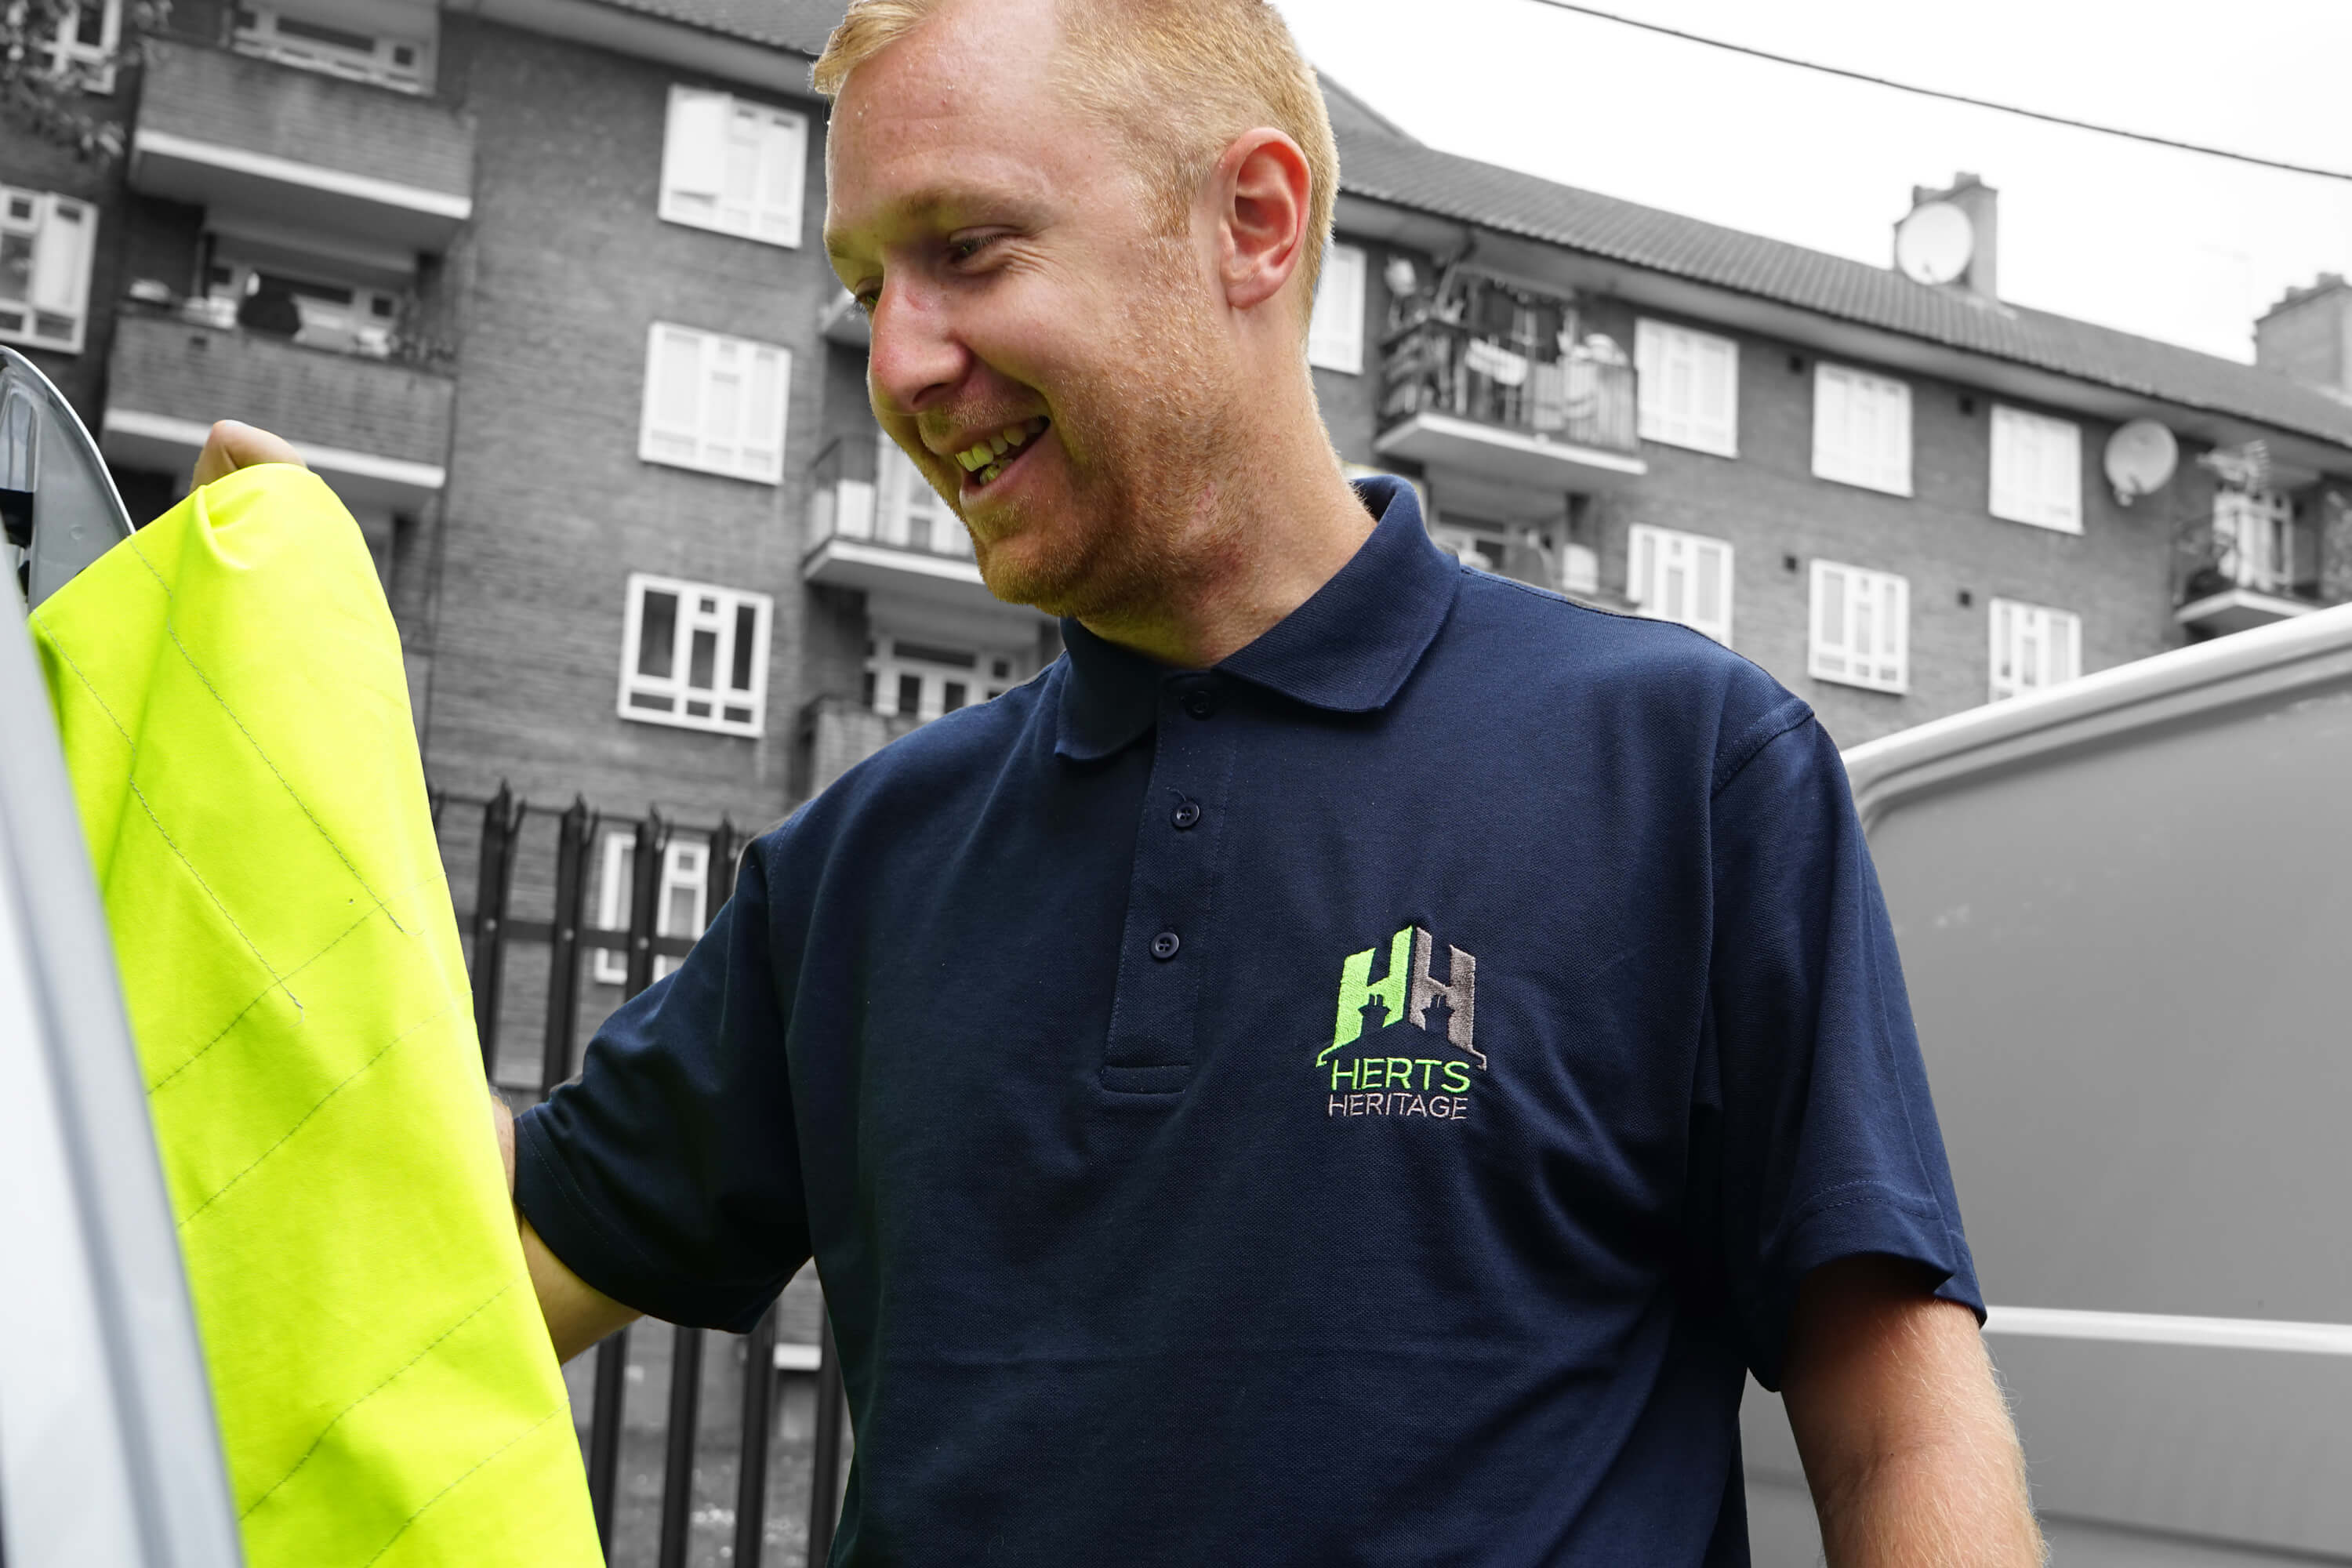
(1369, 1068)
(1425, 1064)
(1457, 1078)
(1347, 1075)
(1358, 990)
(1401, 1071)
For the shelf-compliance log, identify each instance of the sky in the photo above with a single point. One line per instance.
(2167, 244)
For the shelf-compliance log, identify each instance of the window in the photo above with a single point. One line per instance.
(677, 910)
(906, 679)
(715, 403)
(346, 316)
(46, 244)
(1862, 429)
(908, 512)
(1861, 627)
(695, 656)
(2256, 532)
(387, 60)
(1690, 387)
(733, 166)
(2034, 648)
(1335, 337)
(2037, 469)
(85, 40)
(1682, 578)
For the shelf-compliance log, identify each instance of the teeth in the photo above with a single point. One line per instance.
(999, 445)
(1037, 426)
(988, 475)
(975, 457)
(1013, 436)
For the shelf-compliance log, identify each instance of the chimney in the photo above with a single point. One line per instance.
(1981, 203)
(2307, 336)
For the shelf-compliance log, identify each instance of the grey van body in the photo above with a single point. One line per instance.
(2125, 910)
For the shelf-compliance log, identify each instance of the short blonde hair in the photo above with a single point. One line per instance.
(1176, 80)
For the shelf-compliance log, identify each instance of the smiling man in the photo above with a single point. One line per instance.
(1356, 1062)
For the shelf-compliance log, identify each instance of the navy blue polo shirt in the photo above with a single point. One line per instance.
(1368, 1102)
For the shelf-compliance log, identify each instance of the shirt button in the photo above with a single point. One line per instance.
(1164, 945)
(1186, 815)
(1199, 702)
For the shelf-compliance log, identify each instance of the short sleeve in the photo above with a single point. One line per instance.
(667, 1175)
(1826, 1139)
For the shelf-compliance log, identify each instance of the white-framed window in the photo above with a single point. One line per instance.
(908, 512)
(677, 911)
(2256, 531)
(1862, 428)
(2037, 469)
(907, 678)
(2033, 647)
(695, 656)
(86, 38)
(1683, 577)
(1861, 628)
(1335, 336)
(47, 242)
(715, 403)
(734, 166)
(1690, 387)
(357, 53)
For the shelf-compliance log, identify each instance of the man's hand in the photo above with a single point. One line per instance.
(231, 445)
(1907, 1441)
(577, 1313)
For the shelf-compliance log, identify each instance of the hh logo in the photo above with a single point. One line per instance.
(1406, 992)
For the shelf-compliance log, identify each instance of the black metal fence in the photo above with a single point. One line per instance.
(530, 900)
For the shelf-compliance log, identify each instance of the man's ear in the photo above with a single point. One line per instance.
(1265, 185)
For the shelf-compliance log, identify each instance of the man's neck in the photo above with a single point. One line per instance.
(1260, 550)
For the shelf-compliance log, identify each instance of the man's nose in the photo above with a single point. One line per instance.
(916, 357)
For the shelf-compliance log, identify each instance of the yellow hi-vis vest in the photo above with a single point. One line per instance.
(229, 687)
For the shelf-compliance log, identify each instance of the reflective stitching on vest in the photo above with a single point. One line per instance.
(131, 783)
(227, 1028)
(453, 1485)
(171, 629)
(361, 1073)
(388, 1379)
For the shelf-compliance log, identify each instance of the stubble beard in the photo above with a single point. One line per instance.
(1149, 432)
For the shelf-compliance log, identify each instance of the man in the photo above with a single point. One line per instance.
(1354, 1063)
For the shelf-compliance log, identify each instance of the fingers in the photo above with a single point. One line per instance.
(232, 446)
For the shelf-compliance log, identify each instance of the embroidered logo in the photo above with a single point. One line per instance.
(1407, 994)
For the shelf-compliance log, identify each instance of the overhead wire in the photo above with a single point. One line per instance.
(2176, 145)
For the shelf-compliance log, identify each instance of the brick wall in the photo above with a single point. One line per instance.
(230, 99)
(1767, 502)
(549, 507)
(163, 365)
(30, 164)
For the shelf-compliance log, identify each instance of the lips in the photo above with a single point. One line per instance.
(985, 459)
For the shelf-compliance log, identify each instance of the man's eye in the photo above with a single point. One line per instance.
(965, 249)
(866, 303)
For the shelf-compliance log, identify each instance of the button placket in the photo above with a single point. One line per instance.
(1151, 1045)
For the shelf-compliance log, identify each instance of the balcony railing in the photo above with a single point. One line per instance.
(2249, 559)
(377, 429)
(836, 735)
(865, 488)
(1435, 366)
(225, 130)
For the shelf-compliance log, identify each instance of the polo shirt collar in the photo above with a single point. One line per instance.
(1347, 650)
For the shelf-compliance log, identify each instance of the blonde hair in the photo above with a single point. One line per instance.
(1175, 80)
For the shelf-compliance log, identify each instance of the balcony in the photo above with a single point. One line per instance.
(252, 137)
(377, 429)
(1505, 400)
(876, 524)
(836, 735)
(2248, 563)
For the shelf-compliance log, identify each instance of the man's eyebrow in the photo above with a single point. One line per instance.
(931, 209)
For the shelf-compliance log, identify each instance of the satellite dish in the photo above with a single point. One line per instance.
(2140, 458)
(1934, 244)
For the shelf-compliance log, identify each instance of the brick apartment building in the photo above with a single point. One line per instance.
(537, 285)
